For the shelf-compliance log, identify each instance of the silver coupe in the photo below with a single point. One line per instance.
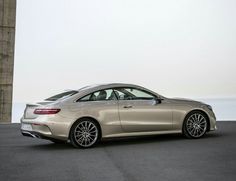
(84, 117)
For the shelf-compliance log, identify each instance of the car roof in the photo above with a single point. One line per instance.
(109, 85)
(97, 87)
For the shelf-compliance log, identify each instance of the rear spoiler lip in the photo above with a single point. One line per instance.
(32, 105)
(37, 104)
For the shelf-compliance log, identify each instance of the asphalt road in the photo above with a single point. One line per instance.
(165, 157)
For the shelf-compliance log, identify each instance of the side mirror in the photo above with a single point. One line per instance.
(158, 100)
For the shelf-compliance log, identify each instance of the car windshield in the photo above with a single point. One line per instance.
(62, 95)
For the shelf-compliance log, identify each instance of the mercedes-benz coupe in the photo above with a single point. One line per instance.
(84, 117)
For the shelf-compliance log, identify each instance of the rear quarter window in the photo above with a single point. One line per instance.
(61, 95)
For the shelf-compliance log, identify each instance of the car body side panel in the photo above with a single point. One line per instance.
(181, 110)
(179, 113)
(145, 115)
(105, 112)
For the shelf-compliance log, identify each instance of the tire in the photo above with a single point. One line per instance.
(85, 133)
(195, 125)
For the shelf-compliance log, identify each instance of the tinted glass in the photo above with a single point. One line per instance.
(62, 95)
(132, 94)
(100, 96)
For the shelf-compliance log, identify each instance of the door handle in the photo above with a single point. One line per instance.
(128, 106)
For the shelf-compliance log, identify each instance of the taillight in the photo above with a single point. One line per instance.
(46, 111)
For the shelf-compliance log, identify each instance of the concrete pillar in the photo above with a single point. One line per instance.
(7, 43)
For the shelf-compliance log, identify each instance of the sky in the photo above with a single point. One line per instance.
(184, 48)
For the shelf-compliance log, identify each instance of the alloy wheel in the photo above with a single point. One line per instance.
(86, 133)
(196, 125)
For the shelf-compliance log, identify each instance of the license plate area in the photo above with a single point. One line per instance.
(26, 127)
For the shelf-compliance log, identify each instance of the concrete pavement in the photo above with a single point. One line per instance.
(165, 157)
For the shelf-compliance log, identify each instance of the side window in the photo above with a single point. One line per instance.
(121, 94)
(86, 98)
(100, 96)
(133, 94)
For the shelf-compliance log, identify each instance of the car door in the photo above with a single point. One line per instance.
(140, 111)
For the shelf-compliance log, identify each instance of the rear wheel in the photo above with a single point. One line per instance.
(195, 125)
(85, 133)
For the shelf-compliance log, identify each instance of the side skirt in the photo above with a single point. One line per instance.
(142, 133)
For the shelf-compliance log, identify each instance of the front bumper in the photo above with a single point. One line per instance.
(212, 119)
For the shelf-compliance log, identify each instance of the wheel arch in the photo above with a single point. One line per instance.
(197, 110)
(86, 117)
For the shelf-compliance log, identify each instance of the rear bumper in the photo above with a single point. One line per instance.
(34, 134)
(38, 131)
(45, 128)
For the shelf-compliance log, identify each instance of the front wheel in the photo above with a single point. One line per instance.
(85, 133)
(195, 125)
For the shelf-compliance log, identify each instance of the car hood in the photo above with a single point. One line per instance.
(186, 101)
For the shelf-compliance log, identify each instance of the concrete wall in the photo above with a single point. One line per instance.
(7, 42)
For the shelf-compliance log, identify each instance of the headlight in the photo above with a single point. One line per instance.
(209, 107)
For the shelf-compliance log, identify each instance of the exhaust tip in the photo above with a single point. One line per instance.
(26, 133)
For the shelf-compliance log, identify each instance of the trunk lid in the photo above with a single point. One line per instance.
(29, 109)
